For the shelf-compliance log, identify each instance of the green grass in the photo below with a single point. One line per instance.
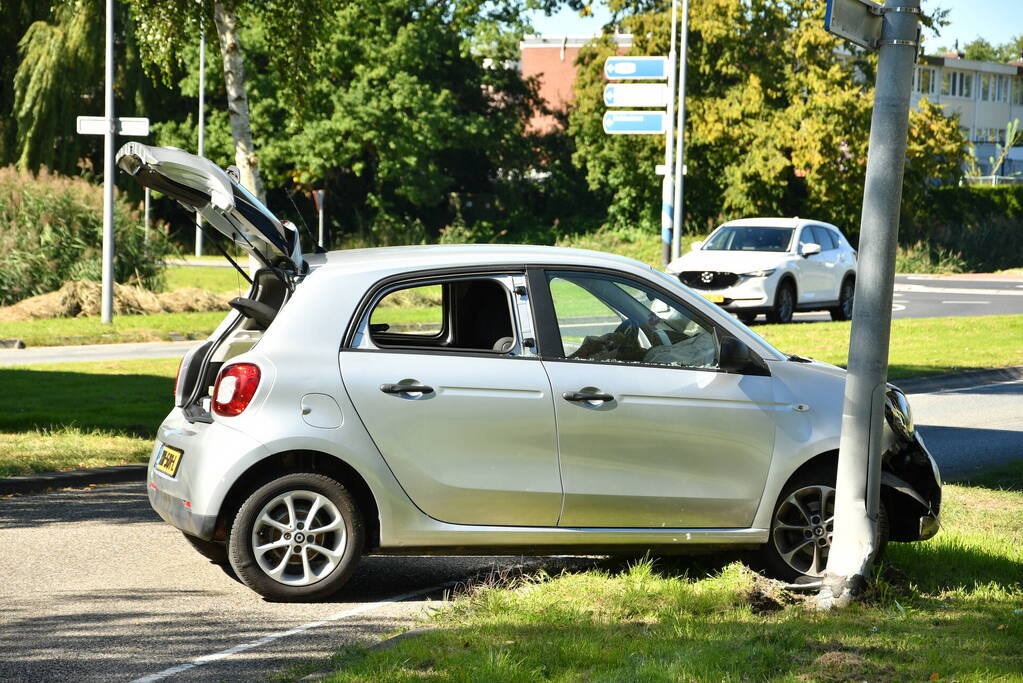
(919, 346)
(67, 448)
(217, 280)
(125, 328)
(948, 610)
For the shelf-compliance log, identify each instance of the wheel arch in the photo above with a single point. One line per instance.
(300, 461)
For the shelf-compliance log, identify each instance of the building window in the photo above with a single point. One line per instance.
(990, 135)
(1017, 92)
(994, 88)
(923, 80)
(957, 84)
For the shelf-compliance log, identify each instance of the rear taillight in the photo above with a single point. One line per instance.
(234, 388)
(177, 376)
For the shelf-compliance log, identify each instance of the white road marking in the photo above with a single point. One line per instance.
(243, 647)
(978, 386)
(923, 289)
(898, 307)
(967, 302)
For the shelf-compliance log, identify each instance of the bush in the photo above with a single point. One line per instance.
(51, 231)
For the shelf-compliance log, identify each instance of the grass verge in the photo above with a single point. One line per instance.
(217, 280)
(919, 346)
(125, 328)
(67, 448)
(945, 609)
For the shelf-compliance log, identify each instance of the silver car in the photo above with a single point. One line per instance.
(482, 399)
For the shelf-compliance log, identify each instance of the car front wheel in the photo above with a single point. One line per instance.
(803, 525)
(297, 538)
(784, 304)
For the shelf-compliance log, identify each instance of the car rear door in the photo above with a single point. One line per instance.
(458, 405)
(650, 433)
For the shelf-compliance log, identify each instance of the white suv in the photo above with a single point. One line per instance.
(775, 266)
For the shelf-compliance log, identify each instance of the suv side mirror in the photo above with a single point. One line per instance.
(809, 249)
(734, 355)
(695, 246)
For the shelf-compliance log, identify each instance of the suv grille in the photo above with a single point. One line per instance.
(706, 279)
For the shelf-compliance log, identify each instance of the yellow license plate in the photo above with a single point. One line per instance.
(714, 298)
(168, 460)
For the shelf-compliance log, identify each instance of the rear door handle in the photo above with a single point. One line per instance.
(406, 389)
(584, 396)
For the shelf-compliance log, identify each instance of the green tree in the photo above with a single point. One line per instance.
(777, 123)
(981, 50)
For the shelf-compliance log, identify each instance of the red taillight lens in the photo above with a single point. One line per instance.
(177, 376)
(234, 388)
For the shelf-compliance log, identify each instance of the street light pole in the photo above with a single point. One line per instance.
(680, 176)
(202, 130)
(107, 297)
(668, 186)
(858, 486)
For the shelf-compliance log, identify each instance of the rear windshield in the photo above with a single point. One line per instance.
(749, 238)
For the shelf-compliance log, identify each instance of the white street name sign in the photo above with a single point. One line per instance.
(637, 68)
(97, 125)
(636, 94)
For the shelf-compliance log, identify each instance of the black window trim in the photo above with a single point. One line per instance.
(392, 283)
(548, 337)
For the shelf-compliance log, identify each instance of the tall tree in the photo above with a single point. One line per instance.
(778, 123)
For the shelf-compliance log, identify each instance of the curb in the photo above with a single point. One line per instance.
(959, 380)
(385, 644)
(119, 474)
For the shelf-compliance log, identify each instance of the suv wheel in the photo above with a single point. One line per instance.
(297, 538)
(802, 527)
(746, 318)
(844, 309)
(784, 304)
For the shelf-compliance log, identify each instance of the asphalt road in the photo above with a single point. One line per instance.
(96, 587)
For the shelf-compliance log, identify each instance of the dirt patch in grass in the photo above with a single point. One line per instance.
(82, 298)
(846, 664)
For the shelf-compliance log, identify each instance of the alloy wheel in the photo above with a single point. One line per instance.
(802, 528)
(298, 537)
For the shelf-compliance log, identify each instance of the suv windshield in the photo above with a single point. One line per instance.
(749, 238)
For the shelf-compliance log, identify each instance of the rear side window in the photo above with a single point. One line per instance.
(464, 314)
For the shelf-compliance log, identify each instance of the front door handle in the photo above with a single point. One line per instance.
(586, 396)
(406, 389)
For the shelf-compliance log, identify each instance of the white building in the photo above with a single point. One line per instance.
(987, 96)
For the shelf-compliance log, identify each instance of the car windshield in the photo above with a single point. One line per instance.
(749, 238)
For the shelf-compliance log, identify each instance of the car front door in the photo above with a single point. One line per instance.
(650, 432)
(814, 278)
(458, 406)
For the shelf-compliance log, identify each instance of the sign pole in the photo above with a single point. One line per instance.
(680, 176)
(857, 492)
(202, 130)
(146, 219)
(107, 303)
(668, 186)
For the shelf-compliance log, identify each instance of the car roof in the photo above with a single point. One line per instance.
(776, 222)
(457, 255)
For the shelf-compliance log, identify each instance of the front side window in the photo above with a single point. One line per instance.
(605, 319)
(749, 238)
(822, 236)
(461, 314)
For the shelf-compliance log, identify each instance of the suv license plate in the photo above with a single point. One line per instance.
(168, 460)
(714, 298)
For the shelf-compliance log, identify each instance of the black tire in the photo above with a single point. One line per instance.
(797, 547)
(746, 318)
(784, 304)
(211, 550)
(845, 301)
(309, 567)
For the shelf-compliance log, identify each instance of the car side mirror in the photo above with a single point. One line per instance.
(809, 249)
(734, 355)
(696, 246)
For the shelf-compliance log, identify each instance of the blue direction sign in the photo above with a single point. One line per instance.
(635, 122)
(637, 68)
(635, 94)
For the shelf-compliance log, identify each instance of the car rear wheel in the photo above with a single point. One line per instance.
(802, 528)
(844, 309)
(297, 538)
(784, 304)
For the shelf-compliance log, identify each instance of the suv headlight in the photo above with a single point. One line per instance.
(898, 413)
(760, 273)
